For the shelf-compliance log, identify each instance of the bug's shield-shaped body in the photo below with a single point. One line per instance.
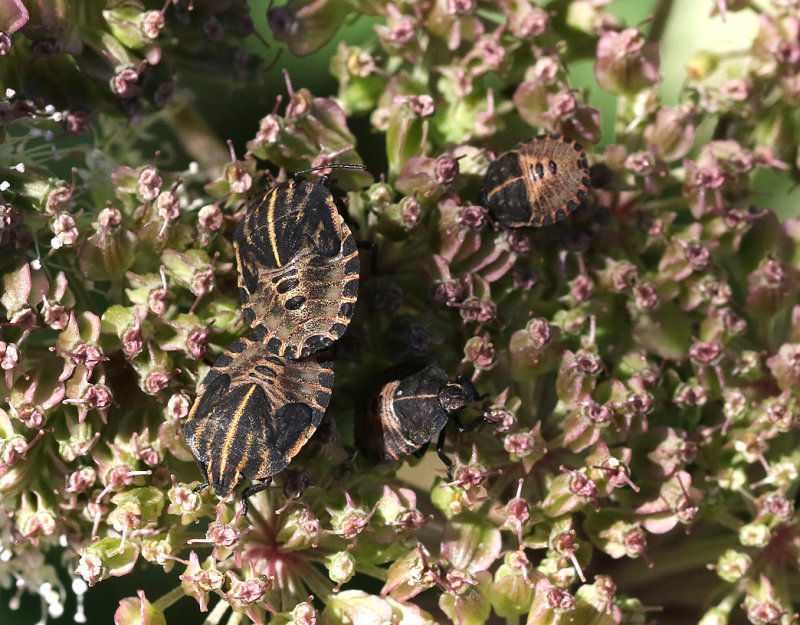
(298, 268)
(403, 415)
(254, 412)
(537, 183)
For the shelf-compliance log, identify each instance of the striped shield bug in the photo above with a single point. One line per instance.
(409, 409)
(298, 267)
(537, 183)
(253, 413)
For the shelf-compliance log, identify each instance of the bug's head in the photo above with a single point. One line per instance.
(458, 393)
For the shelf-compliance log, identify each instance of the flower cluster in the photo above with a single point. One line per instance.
(638, 363)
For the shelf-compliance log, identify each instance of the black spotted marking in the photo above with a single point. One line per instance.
(237, 347)
(537, 183)
(299, 265)
(251, 418)
(224, 360)
(326, 378)
(287, 285)
(265, 371)
(257, 334)
(347, 309)
(350, 289)
(273, 344)
(294, 303)
(353, 265)
(407, 410)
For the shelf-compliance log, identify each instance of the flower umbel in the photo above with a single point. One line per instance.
(636, 365)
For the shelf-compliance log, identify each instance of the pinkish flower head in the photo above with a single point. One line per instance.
(626, 62)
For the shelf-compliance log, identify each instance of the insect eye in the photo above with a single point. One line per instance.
(538, 170)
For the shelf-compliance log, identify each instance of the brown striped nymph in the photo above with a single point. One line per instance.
(538, 183)
(298, 268)
(254, 412)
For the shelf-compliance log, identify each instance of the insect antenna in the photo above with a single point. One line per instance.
(330, 166)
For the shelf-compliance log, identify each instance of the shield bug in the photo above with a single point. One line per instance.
(409, 409)
(537, 183)
(298, 267)
(253, 413)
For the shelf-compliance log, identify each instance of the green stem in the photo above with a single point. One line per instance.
(660, 19)
(373, 571)
(318, 584)
(165, 601)
(216, 614)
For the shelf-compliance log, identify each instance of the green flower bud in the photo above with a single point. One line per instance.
(550, 605)
(192, 269)
(406, 135)
(360, 86)
(470, 543)
(244, 593)
(410, 575)
(303, 614)
(469, 602)
(595, 602)
(764, 604)
(17, 287)
(300, 529)
(616, 533)
(733, 565)
(137, 508)
(754, 535)
(512, 591)
(356, 606)
(108, 557)
(110, 252)
(198, 581)
(715, 616)
(36, 520)
(133, 611)
(341, 566)
(159, 550)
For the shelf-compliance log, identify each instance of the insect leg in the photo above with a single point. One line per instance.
(442, 456)
(204, 472)
(421, 451)
(252, 490)
(372, 247)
